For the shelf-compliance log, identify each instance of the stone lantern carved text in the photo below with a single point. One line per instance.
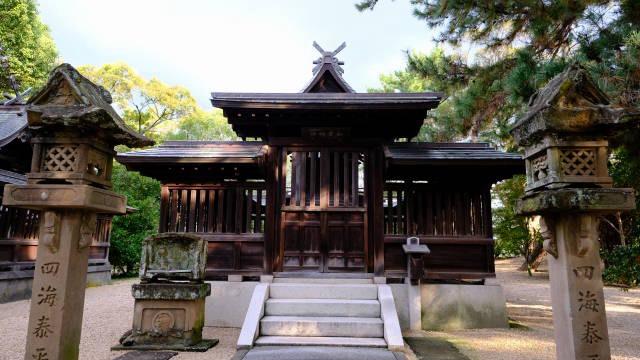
(51, 231)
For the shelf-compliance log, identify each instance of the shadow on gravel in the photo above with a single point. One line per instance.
(432, 348)
(147, 355)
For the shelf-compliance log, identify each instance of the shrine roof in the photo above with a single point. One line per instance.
(326, 101)
(399, 152)
(10, 177)
(451, 161)
(13, 120)
(233, 152)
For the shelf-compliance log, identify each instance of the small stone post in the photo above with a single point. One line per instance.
(564, 135)
(415, 272)
(74, 130)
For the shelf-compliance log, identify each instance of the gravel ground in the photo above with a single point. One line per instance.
(109, 309)
(529, 303)
(108, 313)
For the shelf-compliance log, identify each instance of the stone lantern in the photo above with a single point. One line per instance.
(564, 134)
(73, 129)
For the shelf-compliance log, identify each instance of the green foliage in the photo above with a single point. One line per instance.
(145, 105)
(27, 43)
(622, 265)
(544, 26)
(129, 231)
(624, 168)
(523, 45)
(513, 235)
(203, 125)
(162, 112)
(431, 72)
(436, 71)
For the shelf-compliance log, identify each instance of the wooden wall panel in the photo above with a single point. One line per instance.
(19, 239)
(450, 258)
(301, 241)
(345, 242)
(453, 220)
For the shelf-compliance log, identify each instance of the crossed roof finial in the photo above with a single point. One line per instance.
(328, 57)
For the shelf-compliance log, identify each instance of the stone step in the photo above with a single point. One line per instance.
(321, 326)
(324, 291)
(300, 280)
(320, 341)
(323, 307)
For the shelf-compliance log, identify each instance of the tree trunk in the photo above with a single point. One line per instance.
(534, 257)
(538, 260)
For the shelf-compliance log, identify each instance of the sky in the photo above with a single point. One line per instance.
(236, 45)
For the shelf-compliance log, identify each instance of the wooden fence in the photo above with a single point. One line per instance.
(229, 215)
(454, 221)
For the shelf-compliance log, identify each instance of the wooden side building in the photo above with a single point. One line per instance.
(331, 183)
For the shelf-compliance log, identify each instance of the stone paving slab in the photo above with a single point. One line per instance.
(318, 353)
(432, 348)
(147, 355)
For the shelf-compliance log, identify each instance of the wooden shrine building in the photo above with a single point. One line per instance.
(330, 183)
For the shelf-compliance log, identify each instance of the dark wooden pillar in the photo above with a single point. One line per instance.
(488, 227)
(273, 200)
(164, 208)
(375, 176)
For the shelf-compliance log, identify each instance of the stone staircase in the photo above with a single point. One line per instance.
(310, 311)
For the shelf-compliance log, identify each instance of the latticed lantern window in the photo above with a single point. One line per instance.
(580, 162)
(562, 163)
(61, 158)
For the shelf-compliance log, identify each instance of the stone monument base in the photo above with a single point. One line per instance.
(447, 307)
(167, 316)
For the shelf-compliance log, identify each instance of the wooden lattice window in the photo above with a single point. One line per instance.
(578, 162)
(61, 158)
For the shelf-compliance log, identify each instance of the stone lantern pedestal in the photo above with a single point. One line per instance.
(564, 134)
(169, 301)
(74, 130)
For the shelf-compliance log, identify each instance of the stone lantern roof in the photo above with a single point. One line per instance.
(571, 103)
(69, 100)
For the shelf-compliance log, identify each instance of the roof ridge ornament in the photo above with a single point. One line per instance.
(329, 57)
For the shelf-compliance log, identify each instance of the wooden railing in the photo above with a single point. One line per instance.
(229, 215)
(455, 222)
(225, 208)
(19, 239)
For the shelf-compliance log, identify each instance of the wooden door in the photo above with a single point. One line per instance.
(323, 212)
